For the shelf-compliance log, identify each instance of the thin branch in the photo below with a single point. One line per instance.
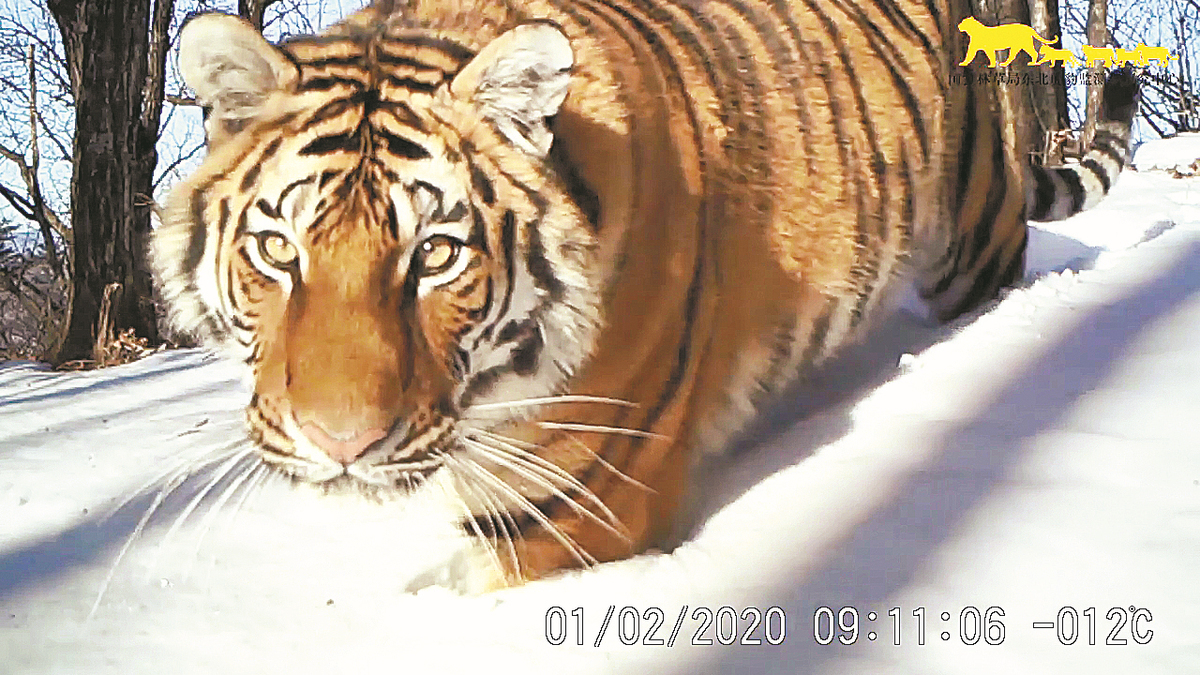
(183, 157)
(156, 76)
(36, 209)
(18, 202)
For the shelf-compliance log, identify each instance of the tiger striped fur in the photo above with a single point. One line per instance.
(547, 253)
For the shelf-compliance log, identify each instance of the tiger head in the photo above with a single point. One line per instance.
(378, 230)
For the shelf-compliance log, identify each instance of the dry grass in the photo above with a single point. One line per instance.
(112, 349)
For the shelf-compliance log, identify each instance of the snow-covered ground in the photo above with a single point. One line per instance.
(1042, 458)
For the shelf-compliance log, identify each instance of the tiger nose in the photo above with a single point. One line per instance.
(343, 448)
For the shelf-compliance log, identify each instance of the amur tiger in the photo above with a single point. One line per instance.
(548, 253)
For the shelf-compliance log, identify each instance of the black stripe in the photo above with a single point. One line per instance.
(402, 112)
(1016, 267)
(347, 142)
(270, 150)
(539, 266)
(452, 49)
(1043, 194)
(327, 83)
(292, 186)
(268, 210)
(515, 330)
(508, 234)
(327, 176)
(466, 290)
(820, 331)
(478, 236)
(985, 286)
(481, 184)
(984, 230)
(325, 62)
(197, 235)
(457, 213)
(482, 384)
(250, 176)
(385, 58)
(402, 147)
(1106, 147)
(906, 189)
(327, 112)
(525, 356)
(393, 224)
(413, 84)
(1074, 188)
(966, 150)
(1092, 165)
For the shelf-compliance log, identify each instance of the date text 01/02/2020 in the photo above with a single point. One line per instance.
(752, 626)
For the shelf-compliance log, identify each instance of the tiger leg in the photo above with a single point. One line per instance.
(972, 51)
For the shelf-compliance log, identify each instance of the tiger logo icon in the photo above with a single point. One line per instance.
(1015, 37)
(1055, 56)
(1159, 54)
(1125, 57)
(1096, 55)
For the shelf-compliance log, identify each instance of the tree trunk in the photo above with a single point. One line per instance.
(1015, 104)
(116, 79)
(1097, 36)
(1048, 101)
(253, 11)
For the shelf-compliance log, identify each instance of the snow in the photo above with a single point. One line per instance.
(1166, 153)
(1038, 456)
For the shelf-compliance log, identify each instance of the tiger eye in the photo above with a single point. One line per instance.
(277, 250)
(438, 254)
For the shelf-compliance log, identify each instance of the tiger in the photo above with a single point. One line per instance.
(547, 257)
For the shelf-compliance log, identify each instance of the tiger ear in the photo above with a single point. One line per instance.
(518, 80)
(232, 69)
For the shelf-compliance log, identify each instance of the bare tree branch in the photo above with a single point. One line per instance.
(36, 207)
(183, 157)
(22, 205)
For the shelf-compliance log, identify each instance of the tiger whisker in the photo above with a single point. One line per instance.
(601, 429)
(544, 480)
(179, 477)
(544, 400)
(493, 554)
(533, 458)
(608, 465)
(175, 467)
(206, 523)
(218, 475)
(260, 475)
(501, 519)
(578, 552)
(603, 462)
